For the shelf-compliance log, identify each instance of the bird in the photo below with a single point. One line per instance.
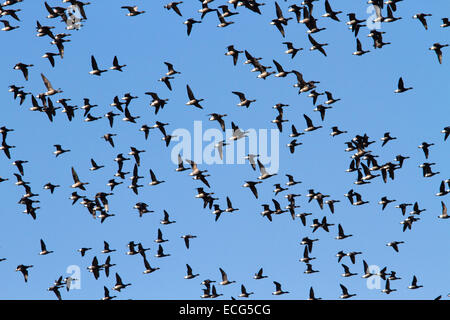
(422, 18)
(95, 70)
(401, 87)
(225, 280)
(414, 284)
(192, 100)
(119, 284)
(189, 23)
(278, 291)
(116, 65)
(189, 274)
(186, 238)
(132, 11)
(24, 68)
(394, 244)
(437, 47)
(345, 294)
(174, 6)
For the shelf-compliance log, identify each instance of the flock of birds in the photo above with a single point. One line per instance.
(363, 164)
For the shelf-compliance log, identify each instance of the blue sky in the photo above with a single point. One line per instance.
(244, 241)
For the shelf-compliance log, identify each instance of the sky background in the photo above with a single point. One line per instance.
(244, 241)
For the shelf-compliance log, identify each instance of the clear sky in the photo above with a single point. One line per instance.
(244, 241)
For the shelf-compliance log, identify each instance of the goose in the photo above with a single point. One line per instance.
(297, 11)
(106, 295)
(336, 131)
(83, 251)
(112, 184)
(291, 181)
(278, 290)
(95, 268)
(444, 214)
(226, 11)
(359, 201)
(311, 295)
(50, 56)
(252, 186)
(59, 150)
(237, 132)
(408, 222)
(116, 65)
(244, 293)
(279, 122)
(44, 250)
(427, 171)
(217, 211)
(192, 100)
(206, 293)
(317, 46)
(385, 201)
(7, 26)
(309, 269)
(446, 132)
(281, 73)
(424, 146)
(148, 268)
(219, 118)
(244, 102)
(231, 51)
(5, 147)
(110, 116)
(189, 274)
(437, 49)
(166, 81)
(174, 6)
(142, 250)
(131, 251)
(330, 13)
(24, 68)
(377, 38)
(278, 209)
(142, 208)
(359, 51)
(387, 289)
(347, 272)
(160, 237)
(214, 293)
(132, 11)
(414, 284)
(230, 206)
(352, 255)
(128, 117)
(416, 209)
(445, 23)
(308, 243)
(310, 127)
(95, 70)
(303, 216)
(259, 275)
(107, 265)
(386, 138)
(225, 280)
(352, 20)
(403, 207)
(127, 97)
(322, 109)
(390, 16)
(295, 133)
(345, 294)
(267, 212)
(401, 86)
(186, 239)
(394, 244)
(340, 255)
(277, 23)
(393, 276)
(106, 248)
(77, 182)
(251, 158)
(51, 187)
(422, 19)
(306, 258)
(117, 103)
(135, 153)
(87, 106)
(222, 21)
(263, 72)
(264, 174)
(205, 10)
(119, 284)
(341, 235)
(291, 50)
(166, 219)
(189, 23)
(160, 253)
